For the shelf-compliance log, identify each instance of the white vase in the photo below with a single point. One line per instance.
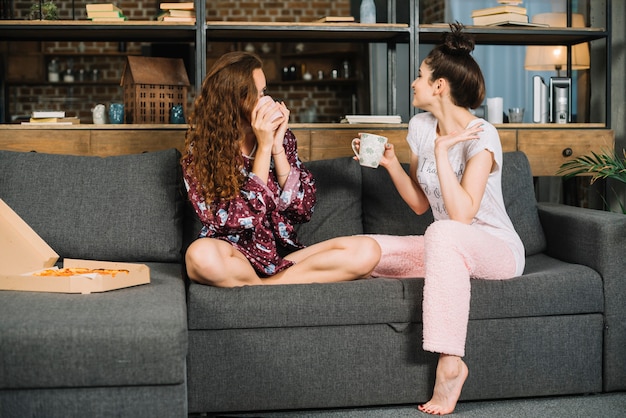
(368, 11)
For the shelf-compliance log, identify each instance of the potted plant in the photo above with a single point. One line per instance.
(606, 165)
(44, 10)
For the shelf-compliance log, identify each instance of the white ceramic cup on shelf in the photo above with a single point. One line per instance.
(371, 149)
(494, 109)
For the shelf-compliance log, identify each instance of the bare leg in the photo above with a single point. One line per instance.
(450, 377)
(334, 260)
(217, 263)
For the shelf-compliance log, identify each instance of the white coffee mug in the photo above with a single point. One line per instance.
(265, 99)
(494, 109)
(98, 113)
(371, 149)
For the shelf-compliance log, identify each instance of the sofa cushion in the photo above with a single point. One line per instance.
(372, 301)
(378, 301)
(520, 201)
(338, 208)
(130, 336)
(123, 208)
(539, 292)
(384, 211)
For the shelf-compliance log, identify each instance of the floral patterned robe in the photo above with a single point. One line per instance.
(261, 218)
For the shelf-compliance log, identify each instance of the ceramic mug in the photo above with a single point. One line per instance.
(116, 113)
(266, 99)
(98, 113)
(177, 115)
(371, 149)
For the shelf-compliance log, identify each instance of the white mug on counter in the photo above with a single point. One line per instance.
(494, 109)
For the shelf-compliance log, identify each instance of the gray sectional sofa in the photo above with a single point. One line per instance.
(171, 348)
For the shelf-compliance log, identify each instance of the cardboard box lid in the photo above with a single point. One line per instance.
(21, 249)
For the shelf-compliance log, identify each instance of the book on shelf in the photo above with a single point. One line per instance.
(374, 118)
(335, 19)
(102, 7)
(525, 24)
(47, 114)
(108, 19)
(178, 6)
(181, 13)
(499, 9)
(500, 19)
(175, 15)
(168, 18)
(105, 13)
(72, 120)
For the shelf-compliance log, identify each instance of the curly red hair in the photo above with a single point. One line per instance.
(218, 125)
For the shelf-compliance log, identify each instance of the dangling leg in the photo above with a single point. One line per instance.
(454, 252)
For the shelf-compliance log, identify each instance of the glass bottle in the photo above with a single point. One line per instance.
(53, 71)
(368, 11)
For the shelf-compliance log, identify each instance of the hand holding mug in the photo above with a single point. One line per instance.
(369, 149)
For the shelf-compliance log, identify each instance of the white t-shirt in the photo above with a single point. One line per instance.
(491, 216)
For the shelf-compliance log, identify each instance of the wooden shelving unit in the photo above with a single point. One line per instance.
(414, 34)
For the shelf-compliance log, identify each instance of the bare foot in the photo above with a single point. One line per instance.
(449, 380)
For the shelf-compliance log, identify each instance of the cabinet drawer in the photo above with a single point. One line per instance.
(548, 149)
(508, 139)
(334, 143)
(105, 143)
(48, 141)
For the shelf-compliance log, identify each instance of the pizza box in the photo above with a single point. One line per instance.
(23, 252)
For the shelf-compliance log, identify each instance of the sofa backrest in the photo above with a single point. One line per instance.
(520, 201)
(384, 210)
(338, 208)
(123, 208)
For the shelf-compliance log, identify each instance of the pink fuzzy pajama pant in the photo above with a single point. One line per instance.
(447, 255)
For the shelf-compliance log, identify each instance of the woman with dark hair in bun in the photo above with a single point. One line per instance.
(455, 169)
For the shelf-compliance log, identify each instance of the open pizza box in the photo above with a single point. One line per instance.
(23, 254)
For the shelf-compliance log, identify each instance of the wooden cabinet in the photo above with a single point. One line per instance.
(547, 147)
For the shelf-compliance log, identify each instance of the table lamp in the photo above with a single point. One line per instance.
(547, 58)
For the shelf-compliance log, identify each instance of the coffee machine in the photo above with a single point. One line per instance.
(560, 99)
(552, 103)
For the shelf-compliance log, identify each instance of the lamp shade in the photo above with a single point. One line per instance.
(548, 58)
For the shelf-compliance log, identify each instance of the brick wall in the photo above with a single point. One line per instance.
(432, 11)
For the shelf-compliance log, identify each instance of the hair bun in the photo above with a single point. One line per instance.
(456, 42)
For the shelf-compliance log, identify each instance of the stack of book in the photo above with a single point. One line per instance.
(500, 15)
(177, 12)
(104, 12)
(51, 118)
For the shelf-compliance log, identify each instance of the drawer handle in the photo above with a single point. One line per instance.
(567, 152)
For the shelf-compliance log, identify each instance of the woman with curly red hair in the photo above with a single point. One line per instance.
(248, 187)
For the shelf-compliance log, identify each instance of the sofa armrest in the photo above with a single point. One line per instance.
(596, 239)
